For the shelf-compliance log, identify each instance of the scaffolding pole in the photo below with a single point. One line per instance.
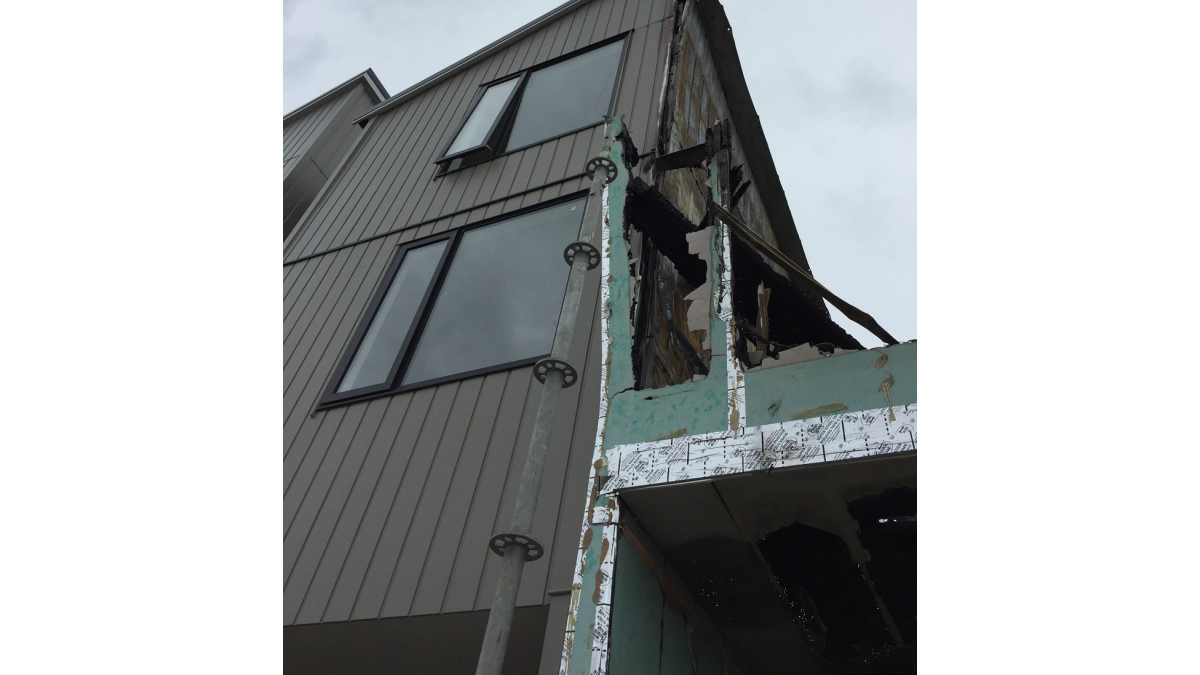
(517, 546)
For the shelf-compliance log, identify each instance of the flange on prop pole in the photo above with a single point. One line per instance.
(518, 545)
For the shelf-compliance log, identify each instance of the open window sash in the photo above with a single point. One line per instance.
(482, 127)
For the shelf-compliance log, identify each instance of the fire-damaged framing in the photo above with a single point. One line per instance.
(771, 313)
(691, 314)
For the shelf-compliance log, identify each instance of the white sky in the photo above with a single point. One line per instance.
(834, 82)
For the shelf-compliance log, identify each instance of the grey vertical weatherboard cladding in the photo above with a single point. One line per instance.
(389, 181)
(389, 503)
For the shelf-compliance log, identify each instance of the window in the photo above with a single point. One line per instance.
(470, 301)
(551, 100)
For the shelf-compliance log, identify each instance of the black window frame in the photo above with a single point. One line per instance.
(392, 384)
(495, 144)
(496, 133)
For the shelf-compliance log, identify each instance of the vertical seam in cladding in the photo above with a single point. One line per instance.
(564, 46)
(316, 310)
(297, 287)
(405, 121)
(341, 511)
(519, 440)
(601, 25)
(420, 493)
(304, 231)
(571, 446)
(305, 126)
(531, 56)
(367, 507)
(424, 482)
(332, 342)
(324, 456)
(474, 491)
(421, 158)
(371, 166)
(324, 449)
(621, 21)
(306, 296)
(290, 272)
(494, 452)
(628, 86)
(316, 432)
(547, 50)
(504, 484)
(339, 325)
(391, 507)
(435, 424)
(589, 13)
(578, 21)
(492, 70)
(441, 509)
(399, 192)
(384, 144)
(645, 88)
(312, 318)
(325, 496)
(389, 178)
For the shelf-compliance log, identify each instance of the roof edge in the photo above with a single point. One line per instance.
(368, 77)
(472, 59)
(745, 120)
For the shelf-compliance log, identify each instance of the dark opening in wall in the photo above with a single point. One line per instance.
(887, 527)
(776, 561)
(665, 350)
(792, 318)
(861, 615)
(816, 570)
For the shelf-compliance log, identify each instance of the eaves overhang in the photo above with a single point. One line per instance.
(367, 77)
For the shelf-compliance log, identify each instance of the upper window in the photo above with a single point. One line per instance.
(466, 302)
(548, 101)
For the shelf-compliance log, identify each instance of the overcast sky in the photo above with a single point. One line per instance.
(834, 82)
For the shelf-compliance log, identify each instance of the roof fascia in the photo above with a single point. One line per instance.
(367, 77)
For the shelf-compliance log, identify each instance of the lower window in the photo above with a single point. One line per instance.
(466, 302)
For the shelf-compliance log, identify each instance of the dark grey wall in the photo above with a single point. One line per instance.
(389, 504)
(313, 145)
